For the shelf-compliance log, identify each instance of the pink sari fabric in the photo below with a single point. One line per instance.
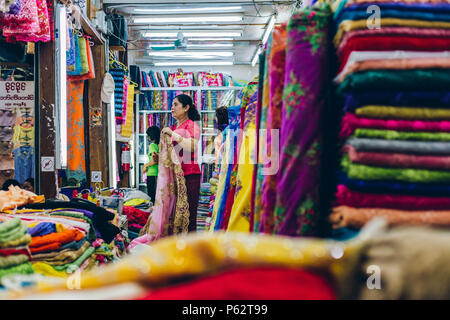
(43, 34)
(26, 21)
(396, 64)
(170, 213)
(419, 32)
(350, 122)
(344, 216)
(397, 160)
(347, 197)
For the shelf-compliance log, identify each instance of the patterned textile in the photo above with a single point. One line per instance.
(76, 162)
(277, 71)
(128, 126)
(43, 34)
(297, 206)
(26, 21)
(170, 213)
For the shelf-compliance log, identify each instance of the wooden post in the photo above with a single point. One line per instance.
(46, 115)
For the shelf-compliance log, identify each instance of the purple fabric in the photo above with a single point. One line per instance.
(305, 82)
(15, 7)
(430, 99)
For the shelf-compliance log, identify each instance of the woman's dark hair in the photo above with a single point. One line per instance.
(222, 118)
(186, 100)
(154, 133)
(30, 180)
(10, 182)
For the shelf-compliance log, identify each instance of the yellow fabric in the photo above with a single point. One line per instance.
(47, 270)
(349, 25)
(386, 112)
(205, 253)
(240, 213)
(128, 126)
(134, 202)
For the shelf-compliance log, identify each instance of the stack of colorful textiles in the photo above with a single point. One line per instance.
(16, 197)
(14, 252)
(203, 206)
(394, 83)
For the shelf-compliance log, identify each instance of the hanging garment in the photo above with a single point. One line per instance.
(78, 68)
(90, 66)
(276, 74)
(70, 53)
(411, 147)
(407, 113)
(395, 187)
(23, 163)
(43, 35)
(170, 213)
(398, 160)
(119, 78)
(76, 156)
(240, 213)
(344, 216)
(26, 21)
(408, 80)
(351, 122)
(128, 125)
(347, 197)
(297, 207)
(419, 98)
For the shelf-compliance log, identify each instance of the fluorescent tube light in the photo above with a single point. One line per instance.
(211, 45)
(189, 19)
(191, 34)
(194, 63)
(187, 10)
(191, 53)
(256, 57)
(269, 29)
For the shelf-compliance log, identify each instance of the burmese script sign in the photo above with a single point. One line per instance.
(16, 94)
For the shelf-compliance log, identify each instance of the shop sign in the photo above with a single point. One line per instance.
(16, 94)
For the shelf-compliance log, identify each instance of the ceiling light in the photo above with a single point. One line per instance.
(210, 45)
(193, 63)
(191, 34)
(209, 9)
(269, 29)
(191, 53)
(256, 57)
(189, 19)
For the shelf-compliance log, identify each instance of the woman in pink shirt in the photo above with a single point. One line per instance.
(185, 135)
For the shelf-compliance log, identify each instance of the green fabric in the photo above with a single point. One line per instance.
(9, 225)
(363, 172)
(402, 135)
(13, 260)
(91, 236)
(83, 56)
(401, 80)
(25, 268)
(152, 171)
(24, 240)
(77, 263)
(13, 234)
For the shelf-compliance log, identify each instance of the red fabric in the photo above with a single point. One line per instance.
(135, 216)
(188, 129)
(398, 160)
(271, 283)
(347, 197)
(12, 252)
(388, 43)
(350, 122)
(228, 207)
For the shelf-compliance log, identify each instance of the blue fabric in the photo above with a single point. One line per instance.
(23, 163)
(70, 55)
(390, 187)
(344, 234)
(78, 68)
(74, 245)
(42, 229)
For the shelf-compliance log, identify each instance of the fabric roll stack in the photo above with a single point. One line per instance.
(393, 83)
(203, 206)
(14, 252)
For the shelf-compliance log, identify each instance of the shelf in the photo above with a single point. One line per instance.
(190, 88)
(155, 111)
(89, 28)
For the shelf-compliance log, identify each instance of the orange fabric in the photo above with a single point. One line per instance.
(15, 197)
(344, 216)
(63, 237)
(48, 247)
(400, 64)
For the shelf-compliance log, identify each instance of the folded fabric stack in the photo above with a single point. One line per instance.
(394, 83)
(16, 196)
(14, 252)
(204, 204)
(136, 220)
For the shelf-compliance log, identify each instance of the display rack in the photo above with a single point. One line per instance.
(140, 138)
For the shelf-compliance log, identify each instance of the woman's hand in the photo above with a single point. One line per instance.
(167, 131)
(155, 157)
(144, 168)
